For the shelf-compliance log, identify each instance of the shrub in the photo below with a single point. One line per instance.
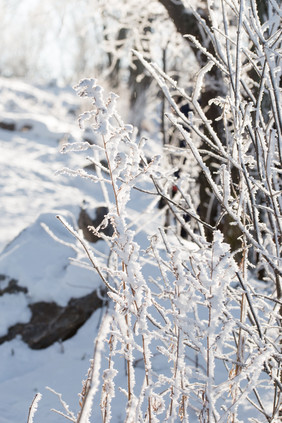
(195, 306)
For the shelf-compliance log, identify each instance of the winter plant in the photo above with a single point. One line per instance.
(196, 315)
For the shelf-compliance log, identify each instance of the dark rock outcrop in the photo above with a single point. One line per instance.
(7, 126)
(51, 323)
(12, 287)
(29, 290)
(84, 221)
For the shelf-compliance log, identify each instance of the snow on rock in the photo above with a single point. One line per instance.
(42, 265)
(62, 366)
(47, 299)
(21, 313)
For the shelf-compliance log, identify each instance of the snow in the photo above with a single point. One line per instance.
(30, 158)
(33, 192)
(38, 253)
(42, 265)
(21, 314)
(23, 372)
(31, 197)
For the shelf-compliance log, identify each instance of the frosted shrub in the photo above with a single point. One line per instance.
(184, 305)
(199, 335)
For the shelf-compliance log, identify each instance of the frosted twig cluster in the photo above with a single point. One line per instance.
(197, 321)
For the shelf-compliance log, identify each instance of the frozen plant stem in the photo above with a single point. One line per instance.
(33, 407)
(128, 347)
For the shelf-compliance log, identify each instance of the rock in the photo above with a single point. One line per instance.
(84, 221)
(27, 127)
(12, 287)
(52, 323)
(7, 126)
(45, 299)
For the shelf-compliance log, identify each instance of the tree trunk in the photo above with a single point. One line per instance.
(186, 23)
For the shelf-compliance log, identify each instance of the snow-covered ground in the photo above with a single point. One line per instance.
(35, 122)
(43, 118)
